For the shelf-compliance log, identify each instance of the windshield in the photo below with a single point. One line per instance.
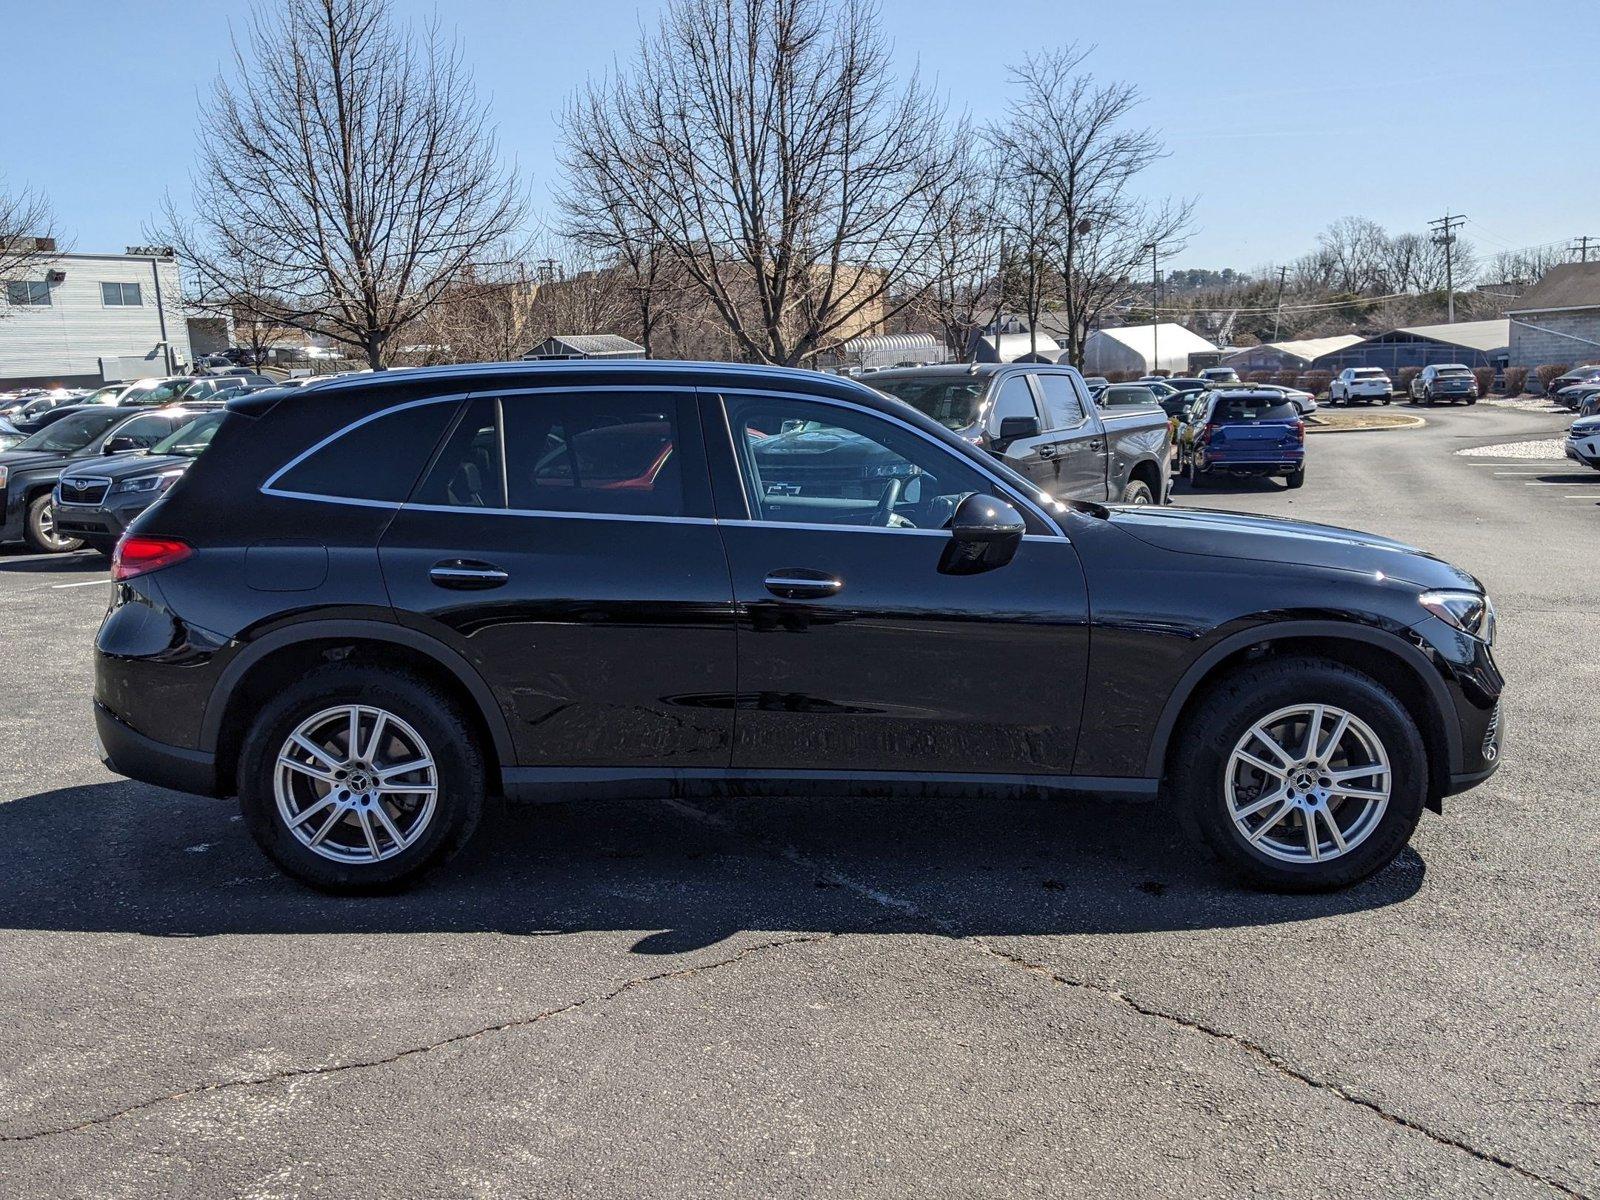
(158, 393)
(187, 441)
(105, 395)
(953, 401)
(1369, 373)
(74, 432)
(1453, 371)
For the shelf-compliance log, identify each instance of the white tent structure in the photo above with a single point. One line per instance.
(1135, 348)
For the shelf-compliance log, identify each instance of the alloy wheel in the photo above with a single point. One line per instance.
(356, 784)
(46, 527)
(1308, 783)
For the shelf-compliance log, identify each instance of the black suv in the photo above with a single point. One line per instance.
(373, 601)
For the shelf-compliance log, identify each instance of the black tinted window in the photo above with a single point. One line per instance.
(378, 459)
(467, 472)
(145, 431)
(597, 452)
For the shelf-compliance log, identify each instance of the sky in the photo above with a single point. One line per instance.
(1279, 118)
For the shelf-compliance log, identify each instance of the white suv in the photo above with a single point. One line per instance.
(1361, 383)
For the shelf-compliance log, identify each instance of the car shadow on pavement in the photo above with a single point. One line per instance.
(20, 560)
(1227, 485)
(126, 858)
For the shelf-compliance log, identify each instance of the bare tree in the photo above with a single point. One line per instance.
(27, 235)
(964, 293)
(764, 147)
(1070, 133)
(347, 170)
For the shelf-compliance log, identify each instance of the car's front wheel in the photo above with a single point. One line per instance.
(1137, 492)
(359, 779)
(1197, 477)
(41, 533)
(1303, 775)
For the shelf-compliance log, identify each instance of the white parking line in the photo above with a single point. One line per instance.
(85, 583)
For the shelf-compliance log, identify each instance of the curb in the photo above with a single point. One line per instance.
(1412, 423)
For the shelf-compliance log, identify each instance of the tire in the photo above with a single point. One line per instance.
(1197, 477)
(39, 530)
(1223, 721)
(1471, 400)
(418, 717)
(1387, 400)
(1295, 479)
(1137, 493)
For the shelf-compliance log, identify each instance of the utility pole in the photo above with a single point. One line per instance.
(1155, 318)
(1283, 275)
(1444, 236)
(1582, 247)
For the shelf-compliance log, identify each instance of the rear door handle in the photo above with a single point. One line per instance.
(802, 583)
(465, 574)
(1047, 451)
(1097, 444)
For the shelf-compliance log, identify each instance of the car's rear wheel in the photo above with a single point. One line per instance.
(1137, 493)
(360, 779)
(1303, 775)
(1197, 477)
(1296, 478)
(40, 530)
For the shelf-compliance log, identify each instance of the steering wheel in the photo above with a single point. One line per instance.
(884, 513)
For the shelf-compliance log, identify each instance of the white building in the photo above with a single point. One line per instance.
(1142, 348)
(85, 319)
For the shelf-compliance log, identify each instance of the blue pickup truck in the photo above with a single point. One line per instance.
(1242, 432)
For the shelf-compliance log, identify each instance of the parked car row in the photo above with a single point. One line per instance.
(1577, 388)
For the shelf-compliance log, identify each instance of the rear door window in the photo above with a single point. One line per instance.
(376, 459)
(603, 452)
(1063, 408)
(468, 471)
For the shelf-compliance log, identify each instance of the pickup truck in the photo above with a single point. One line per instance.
(1447, 381)
(1038, 419)
(1360, 383)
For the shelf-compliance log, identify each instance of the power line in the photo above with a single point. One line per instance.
(1582, 247)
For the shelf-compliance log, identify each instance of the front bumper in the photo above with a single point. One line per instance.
(128, 752)
(1584, 450)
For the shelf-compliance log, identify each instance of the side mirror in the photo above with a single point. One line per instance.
(984, 534)
(1012, 428)
(123, 445)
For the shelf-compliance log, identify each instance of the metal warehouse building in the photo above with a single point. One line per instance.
(78, 320)
(1472, 343)
(1287, 356)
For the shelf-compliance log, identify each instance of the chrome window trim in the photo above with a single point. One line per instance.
(269, 489)
(981, 468)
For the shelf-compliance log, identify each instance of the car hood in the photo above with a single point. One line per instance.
(124, 466)
(36, 460)
(1280, 540)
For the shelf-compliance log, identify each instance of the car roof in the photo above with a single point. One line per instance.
(389, 386)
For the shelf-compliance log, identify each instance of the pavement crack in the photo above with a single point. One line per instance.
(1279, 1064)
(412, 1051)
(1274, 1061)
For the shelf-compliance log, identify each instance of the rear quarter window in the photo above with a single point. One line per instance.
(376, 459)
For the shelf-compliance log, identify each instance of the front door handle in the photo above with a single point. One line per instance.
(1047, 451)
(802, 583)
(465, 574)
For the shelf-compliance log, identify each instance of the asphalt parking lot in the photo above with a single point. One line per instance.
(831, 997)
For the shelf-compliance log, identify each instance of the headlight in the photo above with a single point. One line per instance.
(148, 483)
(1469, 612)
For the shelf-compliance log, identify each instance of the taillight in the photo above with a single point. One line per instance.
(1297, 431)
(1205, 433)
(141, 555)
